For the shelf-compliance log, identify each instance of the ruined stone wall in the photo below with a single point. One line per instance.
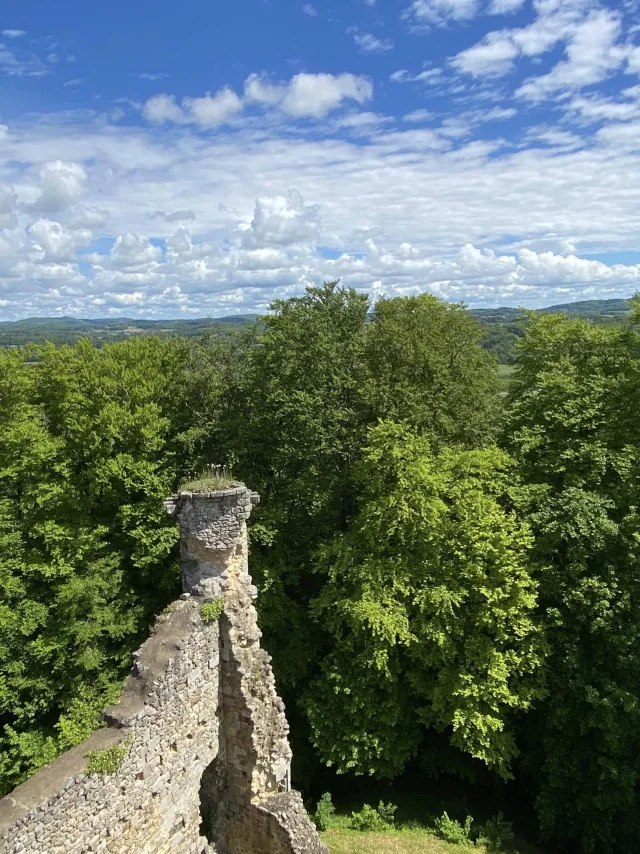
(202, 733)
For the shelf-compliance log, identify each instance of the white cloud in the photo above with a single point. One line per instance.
(146, 75)
(593, 109)
(496, 53)
(441, 11)
(429, 76)
(316, 95)
(421, 115)
(163, 108)
(281, 221)
(305, 95)
(54, 243)
(309, 10)
(13, 34)
(207, 111)
(493, 56)
(213, 110)
(75, 82)
(505, 7)
(368, 43)
(592, 54)
(176, 216)
(8, 206)
(259, 89)
(395, 207)
(62, 185)
(92, 218)
(130, 252)
(20, 65)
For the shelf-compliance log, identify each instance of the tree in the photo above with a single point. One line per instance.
(295, 431)
(573, 429)
(92, 441)
(429, 604)
(426, 368)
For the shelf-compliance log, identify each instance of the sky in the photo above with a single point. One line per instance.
(207, 157)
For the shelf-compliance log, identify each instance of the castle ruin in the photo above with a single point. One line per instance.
(198, 739)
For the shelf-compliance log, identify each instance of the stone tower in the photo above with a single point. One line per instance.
(199, 732)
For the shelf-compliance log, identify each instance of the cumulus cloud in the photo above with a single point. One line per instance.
(62, 184)
(309, 10)
(305, 95)
(316, 95)
(13, 34)
(207, 111)
(213, 110)
(403, 209)
(281, 221)
(53, 242)
(130, 252)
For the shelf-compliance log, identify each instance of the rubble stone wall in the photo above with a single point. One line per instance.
(199, 729)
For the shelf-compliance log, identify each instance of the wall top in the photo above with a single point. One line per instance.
(237, 494)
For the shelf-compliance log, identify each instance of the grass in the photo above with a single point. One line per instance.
(207, 484)
(420, 801)
(210, 479)
(406, 841)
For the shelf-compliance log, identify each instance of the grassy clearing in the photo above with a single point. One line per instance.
(343, 841)
(406, 839)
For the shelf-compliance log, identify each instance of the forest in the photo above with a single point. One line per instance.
(448, 574)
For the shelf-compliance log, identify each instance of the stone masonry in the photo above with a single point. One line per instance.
(199, 730)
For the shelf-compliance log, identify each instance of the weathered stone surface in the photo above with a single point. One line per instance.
(207, 759)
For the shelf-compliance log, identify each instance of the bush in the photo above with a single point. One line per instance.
(211, 611)
(369, 818)
(450, 830)
(109, 760)
(495, 832)
(325, 811)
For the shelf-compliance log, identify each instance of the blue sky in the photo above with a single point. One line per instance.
(204, 158)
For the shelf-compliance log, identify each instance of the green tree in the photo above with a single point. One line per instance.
(298, 428)
(92, 441)
(429, 604)
(573, 428)
(425, 367)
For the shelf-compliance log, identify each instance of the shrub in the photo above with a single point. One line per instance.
(325, 811)
(495, 832)
(450, 830)
(109, 760)
(369, 818)
(212, 611)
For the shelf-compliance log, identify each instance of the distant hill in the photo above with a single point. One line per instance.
(504, 325)
(592, 309)
(68, 330)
